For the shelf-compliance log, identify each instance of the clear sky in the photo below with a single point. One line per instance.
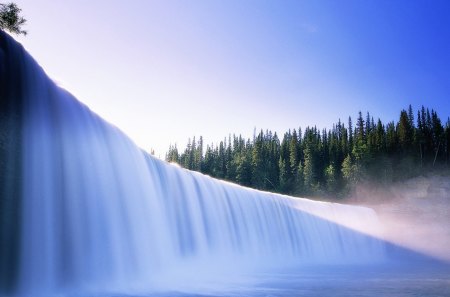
(164, 71)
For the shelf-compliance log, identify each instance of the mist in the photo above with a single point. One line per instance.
(414, 214)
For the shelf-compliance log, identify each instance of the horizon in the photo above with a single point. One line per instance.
(213, 69)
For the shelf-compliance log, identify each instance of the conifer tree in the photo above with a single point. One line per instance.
(350, 134)
(285, 164)
(405, 132)
(10, 18)
(327, 161)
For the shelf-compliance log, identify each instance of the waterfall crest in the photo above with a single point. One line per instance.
(88, 209)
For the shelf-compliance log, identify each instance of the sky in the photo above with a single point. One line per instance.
(165, 71)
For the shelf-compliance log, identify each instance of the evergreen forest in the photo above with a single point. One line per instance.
(313, 162)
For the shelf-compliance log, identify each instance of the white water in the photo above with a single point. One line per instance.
(99, 214)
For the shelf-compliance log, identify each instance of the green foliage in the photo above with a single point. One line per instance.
(331, 178)
(10, 18)
(349, 171)
(244, 170)
(284, 163)
(327, 162)
(310, 177)
(405, 132)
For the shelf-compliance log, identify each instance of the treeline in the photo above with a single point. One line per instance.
(327, 162)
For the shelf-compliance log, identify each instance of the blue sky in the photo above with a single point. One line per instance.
(163, 71)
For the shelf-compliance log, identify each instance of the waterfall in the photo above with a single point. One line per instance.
(83, 208)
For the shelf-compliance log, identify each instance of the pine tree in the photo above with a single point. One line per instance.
(447, 142)
(309, 171)
(331, 161)
(199, 155)
(294, 153)
(419, 137)
(331, 178)
(405, 132)
(221, 168)
(411, 116)
(380, 138)
(437, 135)
(208, 162)
(10, 19)
(391, 138)
(350, 134)
(172, 156)
(244, 170)
(285, 165)
(360, 131)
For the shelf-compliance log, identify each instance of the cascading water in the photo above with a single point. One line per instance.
(84, 209)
